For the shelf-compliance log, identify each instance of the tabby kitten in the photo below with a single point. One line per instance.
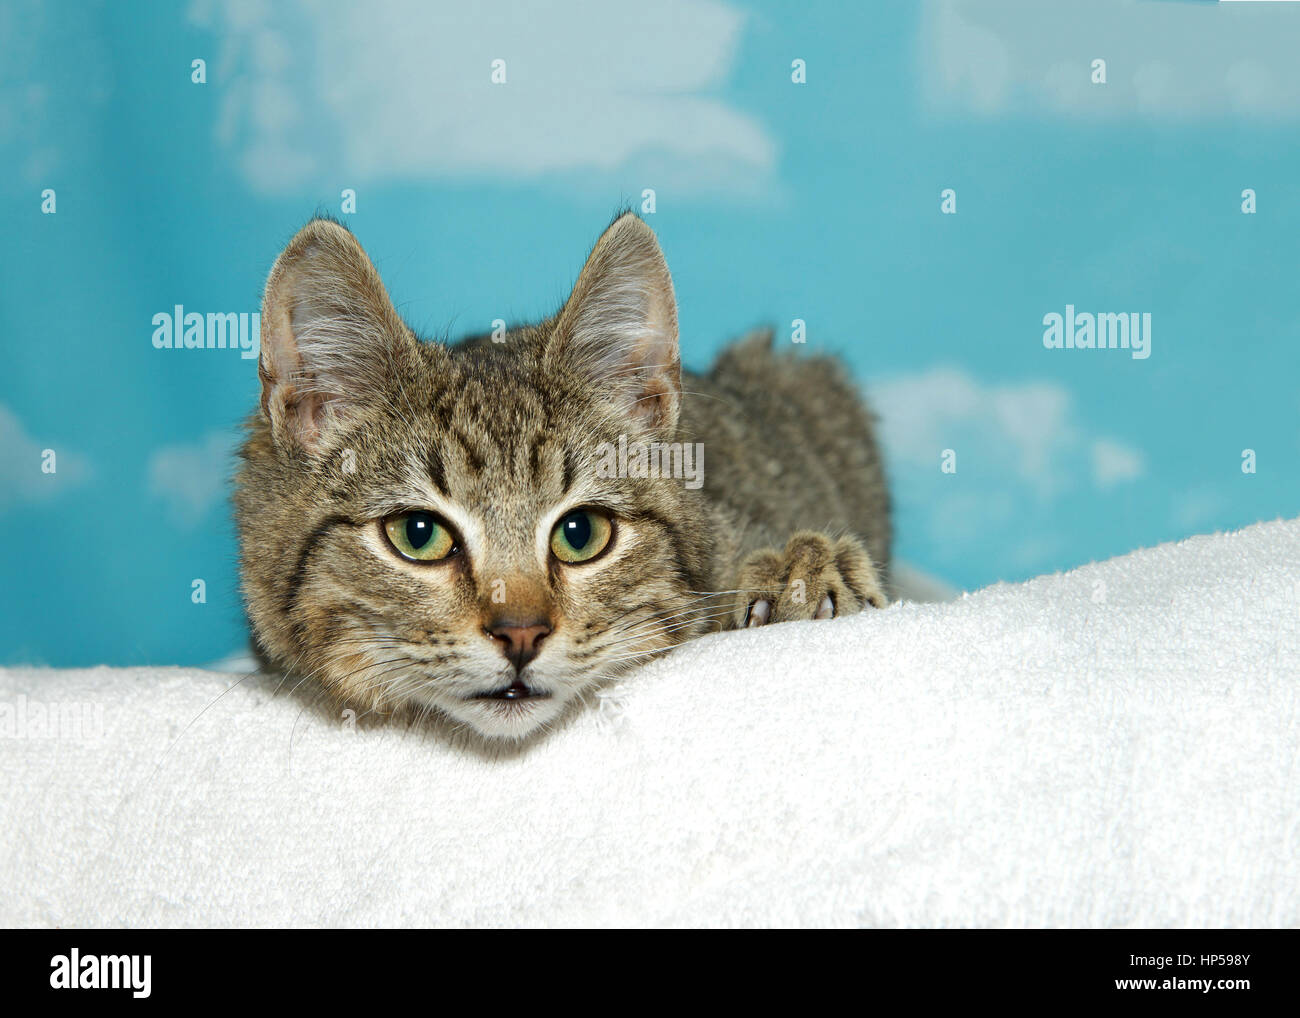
(469, 529)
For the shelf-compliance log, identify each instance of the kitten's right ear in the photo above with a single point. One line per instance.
(331, 338)
(619, 326)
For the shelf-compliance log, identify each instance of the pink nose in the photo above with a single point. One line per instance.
(520, 642)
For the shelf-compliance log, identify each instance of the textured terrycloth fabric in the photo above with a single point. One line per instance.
(1114, 746)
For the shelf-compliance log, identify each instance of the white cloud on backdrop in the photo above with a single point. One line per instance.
(21, 458)
(40, 49)
(1028, 430)
(400, 89)
(1199, 508)
(191, 478)
(1178, 59)
(1020, 448)
(1114, 463)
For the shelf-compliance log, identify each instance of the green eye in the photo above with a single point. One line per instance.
(581, 535)
(419, 536)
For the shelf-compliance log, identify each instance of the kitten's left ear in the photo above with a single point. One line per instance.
(619, 326)
(332, 342)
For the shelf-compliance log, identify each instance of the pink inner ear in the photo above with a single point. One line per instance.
(657, 402)
(305, 413)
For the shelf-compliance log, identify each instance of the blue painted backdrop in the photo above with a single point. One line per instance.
(774, 200)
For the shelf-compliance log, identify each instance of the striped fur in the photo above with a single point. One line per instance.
(359, 420)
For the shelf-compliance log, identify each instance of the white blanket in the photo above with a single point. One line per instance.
(1117, 746)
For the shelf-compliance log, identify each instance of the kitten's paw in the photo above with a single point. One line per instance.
(815, 577)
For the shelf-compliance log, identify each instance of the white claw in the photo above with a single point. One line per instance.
(826, 609)
(759, 613)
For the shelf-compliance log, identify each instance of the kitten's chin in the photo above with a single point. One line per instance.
(506, 719)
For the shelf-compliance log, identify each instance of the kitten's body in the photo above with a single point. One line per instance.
(500, 443)
(789, 448)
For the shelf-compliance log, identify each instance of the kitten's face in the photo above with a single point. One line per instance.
(427, 526)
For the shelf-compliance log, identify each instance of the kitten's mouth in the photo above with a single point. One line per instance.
(517, 690)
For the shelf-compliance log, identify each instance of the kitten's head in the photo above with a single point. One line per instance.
(430, 526)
